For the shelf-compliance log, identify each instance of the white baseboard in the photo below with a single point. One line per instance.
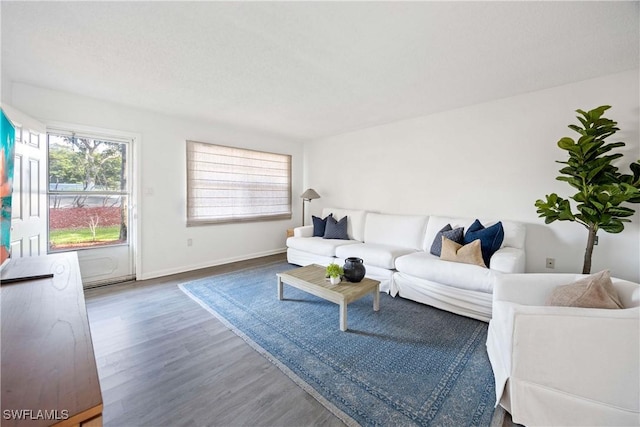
(213, 263)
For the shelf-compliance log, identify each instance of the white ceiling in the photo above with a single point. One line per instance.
(305, 70)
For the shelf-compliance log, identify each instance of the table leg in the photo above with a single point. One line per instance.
(343, 316)
(280, 292)
(376, 299)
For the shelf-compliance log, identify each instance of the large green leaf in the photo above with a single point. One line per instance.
(585, 141)
(596, 204)
(585, 114)
(603, 197)
(596, 113)
(579, 197)
(587, 210)
(594, 172)
(574, 182)
(621, 211)
(566, 143)
(566, 215)
(578, 129)
(613, 226)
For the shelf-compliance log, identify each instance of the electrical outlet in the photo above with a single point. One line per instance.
(595, 240)
(189, 242)
(551, 263)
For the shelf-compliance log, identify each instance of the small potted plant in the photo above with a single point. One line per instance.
(334, 272)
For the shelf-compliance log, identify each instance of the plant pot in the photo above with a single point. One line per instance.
(334, 280)
(354, 270)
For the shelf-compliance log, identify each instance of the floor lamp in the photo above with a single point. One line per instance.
(308, 196)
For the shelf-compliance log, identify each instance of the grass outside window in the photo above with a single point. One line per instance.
(79, 237)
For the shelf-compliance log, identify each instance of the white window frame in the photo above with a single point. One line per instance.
(264, 178)
(128, 193)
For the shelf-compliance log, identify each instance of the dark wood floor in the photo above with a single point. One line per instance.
(165, 361)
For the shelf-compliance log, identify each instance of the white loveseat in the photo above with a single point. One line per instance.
(564, 365)
(395, 250)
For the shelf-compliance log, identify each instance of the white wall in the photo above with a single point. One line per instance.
(492, 160)
(488, 160)
(162, 171)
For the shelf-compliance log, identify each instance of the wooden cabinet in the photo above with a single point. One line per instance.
(49, 374)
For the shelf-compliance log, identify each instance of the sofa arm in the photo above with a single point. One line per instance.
(587, 353)
(531, 288)
(304, 231)
(508, 260)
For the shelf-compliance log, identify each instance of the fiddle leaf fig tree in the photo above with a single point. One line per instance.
(602, 190)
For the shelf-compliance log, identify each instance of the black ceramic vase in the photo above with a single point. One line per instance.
(354, 269)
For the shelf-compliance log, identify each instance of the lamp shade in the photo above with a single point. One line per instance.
(310, 194)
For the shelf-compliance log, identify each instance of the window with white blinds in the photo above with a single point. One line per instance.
(226, 184)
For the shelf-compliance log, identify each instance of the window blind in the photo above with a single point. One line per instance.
(227, 184)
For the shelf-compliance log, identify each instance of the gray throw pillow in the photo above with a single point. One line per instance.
(319, 225)
(454, 234)
(336, 229)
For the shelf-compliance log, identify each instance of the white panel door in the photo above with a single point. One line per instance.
(37, 211)
(29, 203)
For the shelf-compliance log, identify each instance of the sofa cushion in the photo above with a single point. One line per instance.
(355, 221)
(468, 254)
(594, 291)
(423, 265)
(336, 229)
(396, 230)
(490, 238)
(383, 256)
(317, 245)
(508, 260)
(319, 225)
(456, 235)
(514, 234)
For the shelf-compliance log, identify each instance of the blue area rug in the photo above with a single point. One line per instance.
(407, 364)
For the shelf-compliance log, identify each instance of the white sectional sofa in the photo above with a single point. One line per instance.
(395, 250)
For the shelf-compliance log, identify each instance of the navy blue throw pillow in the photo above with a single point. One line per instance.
(319, 225)
(336, 229)
(455, 234)
(490, 238)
